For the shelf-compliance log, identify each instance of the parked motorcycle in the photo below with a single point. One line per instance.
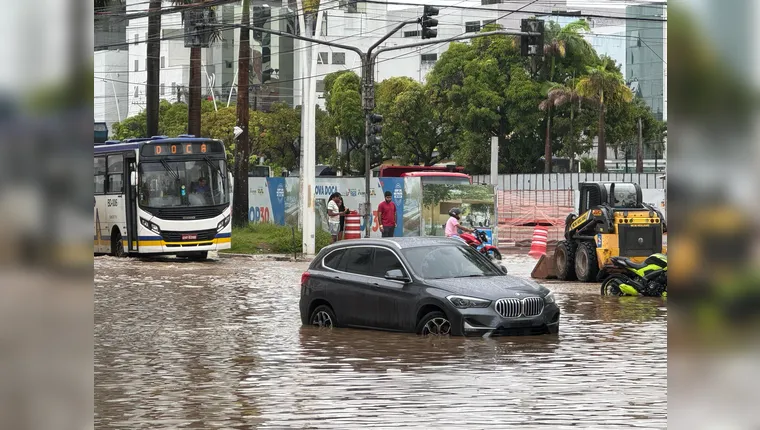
(623, 277)
(479, 240)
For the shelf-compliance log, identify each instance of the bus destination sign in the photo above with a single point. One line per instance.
(182, 148)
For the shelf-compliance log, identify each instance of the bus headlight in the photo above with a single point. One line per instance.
(223, 223)
(150, 225)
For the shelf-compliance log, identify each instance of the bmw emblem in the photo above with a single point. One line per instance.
(641, 241)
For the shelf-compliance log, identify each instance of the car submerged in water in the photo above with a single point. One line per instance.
(423, 285)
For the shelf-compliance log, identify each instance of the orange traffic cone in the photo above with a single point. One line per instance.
(538, 245)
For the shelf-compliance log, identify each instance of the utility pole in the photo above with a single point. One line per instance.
(242, 147)
(368, 95)
(153, 67)
(640, 152)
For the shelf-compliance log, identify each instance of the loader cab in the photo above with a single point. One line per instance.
(615, 195)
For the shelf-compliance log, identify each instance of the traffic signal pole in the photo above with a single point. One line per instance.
(368, 81)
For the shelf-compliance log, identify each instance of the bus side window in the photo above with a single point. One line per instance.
(115, 174)
(100, 175)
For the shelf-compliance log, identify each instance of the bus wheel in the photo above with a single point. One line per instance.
(117, 244)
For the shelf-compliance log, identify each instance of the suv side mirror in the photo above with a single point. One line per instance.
(396, 275)
(503, 269)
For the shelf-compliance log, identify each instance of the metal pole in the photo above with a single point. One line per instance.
(234, 81)
(368, 102)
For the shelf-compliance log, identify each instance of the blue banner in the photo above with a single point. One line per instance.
(396, 187)
(277, 197)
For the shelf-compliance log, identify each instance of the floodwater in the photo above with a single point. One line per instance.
(219, 344)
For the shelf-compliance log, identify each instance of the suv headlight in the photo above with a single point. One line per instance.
(463, 302)
(549, 298)
(223, 223)
(150, 225)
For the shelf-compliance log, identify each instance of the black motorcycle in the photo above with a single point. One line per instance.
(623, 277)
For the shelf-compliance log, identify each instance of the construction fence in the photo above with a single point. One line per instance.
(527, 200)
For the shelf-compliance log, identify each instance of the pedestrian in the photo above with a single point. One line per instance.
(386, 212)
(344, 211)
(334, 216)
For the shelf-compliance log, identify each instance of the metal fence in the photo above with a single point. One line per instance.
(525, 201)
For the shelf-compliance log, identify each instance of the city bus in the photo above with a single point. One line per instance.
(451, 175)
(162, 196)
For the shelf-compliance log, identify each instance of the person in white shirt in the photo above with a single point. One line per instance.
(334, 214)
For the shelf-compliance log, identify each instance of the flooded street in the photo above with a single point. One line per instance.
(219, 344)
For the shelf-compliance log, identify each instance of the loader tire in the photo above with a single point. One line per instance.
(586, 263)
(564, 260)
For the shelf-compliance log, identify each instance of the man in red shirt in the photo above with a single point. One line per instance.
(386, 211)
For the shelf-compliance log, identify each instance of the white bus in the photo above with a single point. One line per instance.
(162, 196)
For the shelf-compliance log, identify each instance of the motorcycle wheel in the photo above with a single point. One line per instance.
(611, 286)
(495, 254)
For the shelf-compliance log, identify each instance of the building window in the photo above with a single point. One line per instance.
(488, 21)
(413, 33)
(429, 58)
(349, 6)
(323, 58)
(162, 89)
(137, 65)
(323, 29)
(137, 39)
(137, 91)
(472, 27)
(228, 64)
(174, 88)
(163, 62)
(320, 85)
(339, 58)
(487, 2)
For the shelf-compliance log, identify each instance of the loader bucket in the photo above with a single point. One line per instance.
(545, 268)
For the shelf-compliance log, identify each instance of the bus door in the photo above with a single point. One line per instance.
(131, 201)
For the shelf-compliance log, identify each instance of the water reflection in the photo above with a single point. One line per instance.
(199, 345)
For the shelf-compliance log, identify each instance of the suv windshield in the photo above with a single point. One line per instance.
(448, 262)
(204, 182)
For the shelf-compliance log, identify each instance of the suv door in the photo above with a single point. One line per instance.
(390, 304)
(350, 286)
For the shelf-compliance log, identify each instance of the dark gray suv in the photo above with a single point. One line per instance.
(424, 285)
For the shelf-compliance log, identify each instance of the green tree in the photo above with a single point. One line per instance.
(414, 131)
(342, 92)
(562, 42)
(603, 85)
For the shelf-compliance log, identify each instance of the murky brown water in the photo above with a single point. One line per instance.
(219, 344)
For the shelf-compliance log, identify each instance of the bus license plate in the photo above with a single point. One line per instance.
(189, 236)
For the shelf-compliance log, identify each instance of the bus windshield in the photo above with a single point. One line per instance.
(165, 184)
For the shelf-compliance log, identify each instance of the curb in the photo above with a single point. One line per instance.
(262, 257)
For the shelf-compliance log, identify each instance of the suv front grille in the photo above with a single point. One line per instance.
(513, 308)
(176, 236)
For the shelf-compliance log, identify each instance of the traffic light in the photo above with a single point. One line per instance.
(261, 15)
(427, 22)
(532, 45)
(375, 129)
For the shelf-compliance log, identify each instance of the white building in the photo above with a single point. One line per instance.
(111, 98)
(362, 24)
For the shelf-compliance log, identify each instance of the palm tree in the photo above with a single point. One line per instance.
(603, 85)
(557, 96)
(564, 38)
(560, 39)
(194, 97)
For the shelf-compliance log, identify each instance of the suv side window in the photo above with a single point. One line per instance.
(384, 261)
(333, 259)
(357, 260)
